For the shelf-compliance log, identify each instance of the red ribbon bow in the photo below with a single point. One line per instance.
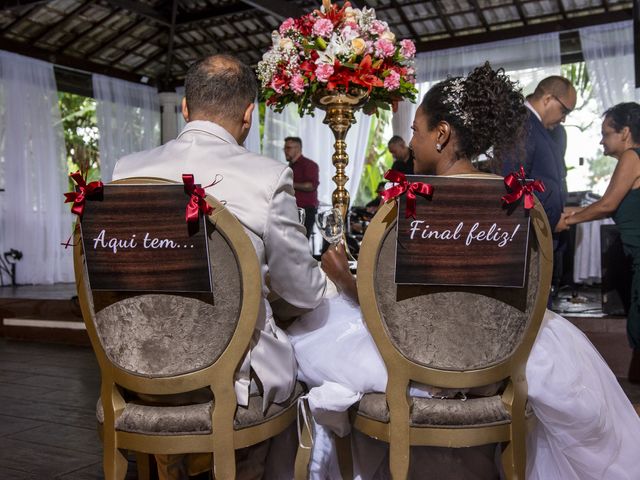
(411, 188)
(518, 185)
(86, 191)
(197, 203)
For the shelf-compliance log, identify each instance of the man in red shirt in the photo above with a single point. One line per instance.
(305, 180)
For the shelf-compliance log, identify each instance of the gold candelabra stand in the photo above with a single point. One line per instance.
(339, 108)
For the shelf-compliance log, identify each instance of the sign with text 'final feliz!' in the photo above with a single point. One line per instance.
(462, 235)
(137, 239)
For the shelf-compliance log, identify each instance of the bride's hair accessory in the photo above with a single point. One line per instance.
(454, 92)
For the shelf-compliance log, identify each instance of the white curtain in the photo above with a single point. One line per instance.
(128, 117)
(33, 172)
(526, 59)
(317, 144)
(608, 53)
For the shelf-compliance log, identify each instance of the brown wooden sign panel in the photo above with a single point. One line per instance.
(137, 239)
(462, 236)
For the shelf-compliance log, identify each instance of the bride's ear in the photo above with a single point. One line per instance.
(443, 133)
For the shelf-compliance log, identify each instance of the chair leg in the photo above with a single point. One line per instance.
(514, 459)
(115, 463)
(345, 456)
(143, 464)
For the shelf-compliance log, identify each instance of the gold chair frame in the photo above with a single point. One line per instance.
(224, 439)
(399, 433)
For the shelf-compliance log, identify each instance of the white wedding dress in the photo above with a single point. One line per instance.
(587, 427)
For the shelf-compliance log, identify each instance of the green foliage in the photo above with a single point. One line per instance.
(78, 116)
(378, 159)
(600, 168)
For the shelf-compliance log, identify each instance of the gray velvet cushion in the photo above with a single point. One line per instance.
(164, 335)
(453, 328)
(440, 412)
(192, 419)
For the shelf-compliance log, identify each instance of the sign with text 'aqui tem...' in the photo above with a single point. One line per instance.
(137, 239)
(462, 235)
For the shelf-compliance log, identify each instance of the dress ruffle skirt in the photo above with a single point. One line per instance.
(586, 429)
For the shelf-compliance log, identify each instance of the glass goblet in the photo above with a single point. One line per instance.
(330, 225)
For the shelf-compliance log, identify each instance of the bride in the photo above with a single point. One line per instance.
(586, 428)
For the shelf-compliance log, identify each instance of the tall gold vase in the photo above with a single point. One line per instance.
(339, 108)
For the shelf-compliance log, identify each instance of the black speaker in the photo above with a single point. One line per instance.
(616, 272)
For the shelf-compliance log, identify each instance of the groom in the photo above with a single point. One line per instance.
(220, 93)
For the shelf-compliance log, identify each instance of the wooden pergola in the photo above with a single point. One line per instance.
(154, 41)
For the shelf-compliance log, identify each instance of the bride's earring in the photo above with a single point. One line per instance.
(438, 147)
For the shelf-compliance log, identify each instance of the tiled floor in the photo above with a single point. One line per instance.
(47, 412)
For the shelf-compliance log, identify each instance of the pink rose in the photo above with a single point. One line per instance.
(297, 83)
(384, 48)
(324, 72)
(392, 81)
(288, 24)
(323, 28)
(378, 27)
(278, 83)
(407, 48)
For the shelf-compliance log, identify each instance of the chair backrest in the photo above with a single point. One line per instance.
(433, 331)
(157, 333)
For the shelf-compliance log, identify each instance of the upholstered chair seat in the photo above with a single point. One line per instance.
(192, 419)
(452, 412)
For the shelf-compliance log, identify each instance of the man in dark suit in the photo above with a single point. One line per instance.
(553, 99)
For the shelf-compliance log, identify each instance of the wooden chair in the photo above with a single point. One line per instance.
(169, 345)
(450, 337)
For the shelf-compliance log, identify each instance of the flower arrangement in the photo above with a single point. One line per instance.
(337, 49)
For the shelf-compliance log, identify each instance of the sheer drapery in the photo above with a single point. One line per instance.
(128, 116)
(608, 53)
(317, 144)
(33, 171)
(527, 60)
(252, 143)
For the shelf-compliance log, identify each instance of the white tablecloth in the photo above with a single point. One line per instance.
(586, 258)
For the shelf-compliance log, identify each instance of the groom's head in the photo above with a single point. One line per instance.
(221, 89)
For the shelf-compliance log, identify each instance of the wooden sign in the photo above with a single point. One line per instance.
(462, 235)
(137, 239)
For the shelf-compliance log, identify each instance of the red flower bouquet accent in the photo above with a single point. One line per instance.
(337, 49)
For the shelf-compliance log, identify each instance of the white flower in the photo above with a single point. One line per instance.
(388, 35)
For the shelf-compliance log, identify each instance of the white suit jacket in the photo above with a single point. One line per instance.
(259, 192)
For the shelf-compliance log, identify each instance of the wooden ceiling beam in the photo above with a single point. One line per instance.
(142, 9)
(68, 61)
(443, 17)
(208, 14)
(480, 14)
(17, 4)
(279, 9)
(520, 9)
(113, 39)
(67, 17)
(88, 28)
(534, 29)
(404, 18)
(172, 31)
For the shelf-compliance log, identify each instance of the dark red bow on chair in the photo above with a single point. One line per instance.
(197, 203)
(411, 188)
(518, 185)
(86, 191)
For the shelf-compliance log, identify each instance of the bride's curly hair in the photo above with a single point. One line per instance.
(485, 109)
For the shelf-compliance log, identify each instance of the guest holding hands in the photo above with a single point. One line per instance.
(621, 140)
